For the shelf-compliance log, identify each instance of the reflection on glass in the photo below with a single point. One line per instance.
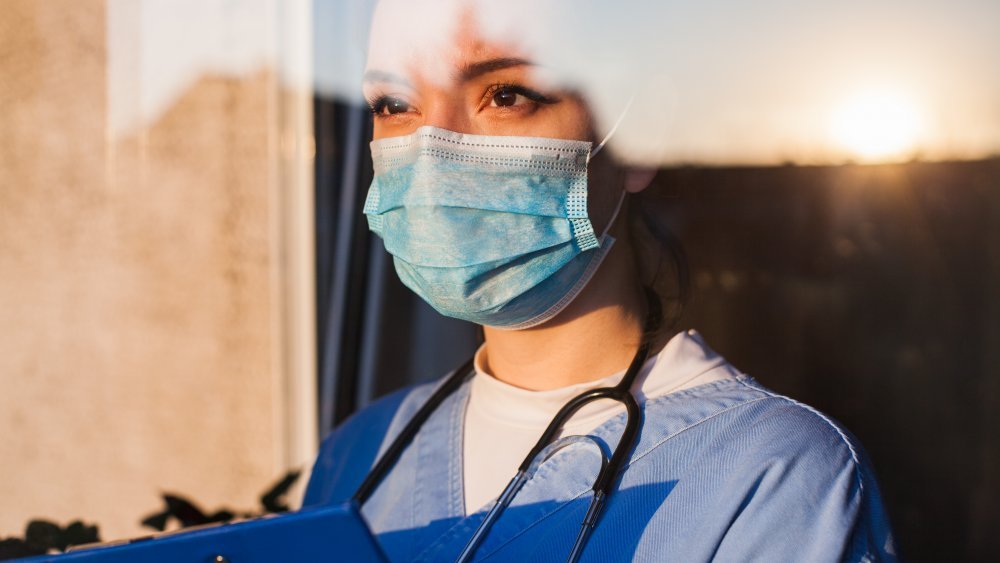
(730, 82)
(151, 275)
(864, 282)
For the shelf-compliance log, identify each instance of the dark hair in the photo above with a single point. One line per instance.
(659, 258)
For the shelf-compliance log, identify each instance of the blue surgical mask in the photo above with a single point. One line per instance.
(492, 230)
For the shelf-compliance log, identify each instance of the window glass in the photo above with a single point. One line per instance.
(829, 169)
(155, 280)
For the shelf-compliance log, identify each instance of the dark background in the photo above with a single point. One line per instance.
(873, 294)
(869, 292)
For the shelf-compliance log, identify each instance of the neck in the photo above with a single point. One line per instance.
(596, 335)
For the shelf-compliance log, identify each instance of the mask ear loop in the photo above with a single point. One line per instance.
(614, 128)
(614, 216)
(597, 149)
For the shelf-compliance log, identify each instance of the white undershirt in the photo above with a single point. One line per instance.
(503, 422)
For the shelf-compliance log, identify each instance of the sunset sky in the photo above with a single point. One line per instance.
(725, 82)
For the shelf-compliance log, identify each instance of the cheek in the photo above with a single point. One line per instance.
(379, 131)
(382, 128)
(605, 182)
(573, 122)
(567, 119)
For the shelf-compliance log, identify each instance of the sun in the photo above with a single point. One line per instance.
(877, 126)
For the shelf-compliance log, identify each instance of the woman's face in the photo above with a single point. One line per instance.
(430, 65)
(448, 75)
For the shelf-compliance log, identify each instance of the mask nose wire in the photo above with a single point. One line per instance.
(614, 128)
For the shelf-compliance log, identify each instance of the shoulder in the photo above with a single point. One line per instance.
(794, 426)
(818, 473)
(781, 467)
(748, 416)
(350, 450)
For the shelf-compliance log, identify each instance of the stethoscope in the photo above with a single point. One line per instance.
(604, 483)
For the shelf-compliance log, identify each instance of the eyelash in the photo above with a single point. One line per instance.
(378, 103)
(532, 95)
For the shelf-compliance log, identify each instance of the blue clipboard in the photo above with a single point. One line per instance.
(336, 533)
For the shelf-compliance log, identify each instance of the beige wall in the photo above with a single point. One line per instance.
(151, 282)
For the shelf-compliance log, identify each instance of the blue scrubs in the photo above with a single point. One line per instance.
(727, 471)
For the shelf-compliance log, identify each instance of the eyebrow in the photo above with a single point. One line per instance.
(477, 69)
(383, 76)
(466, 73)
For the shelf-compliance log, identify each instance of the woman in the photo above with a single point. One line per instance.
(494, 196)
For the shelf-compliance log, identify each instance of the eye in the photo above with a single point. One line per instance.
(506, 96)
(388, 105)
(512, 95)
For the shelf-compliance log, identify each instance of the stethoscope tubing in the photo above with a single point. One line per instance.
(603, 484)
(409, 432)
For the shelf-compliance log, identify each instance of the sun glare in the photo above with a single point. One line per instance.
(877, 126)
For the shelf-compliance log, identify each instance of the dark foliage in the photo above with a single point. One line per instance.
(273, 500)
(41, 536)
(188, 514)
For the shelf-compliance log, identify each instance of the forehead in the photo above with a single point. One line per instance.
(429, 39)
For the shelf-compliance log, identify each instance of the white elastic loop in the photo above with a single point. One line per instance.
(614, 215)
(614, 128)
